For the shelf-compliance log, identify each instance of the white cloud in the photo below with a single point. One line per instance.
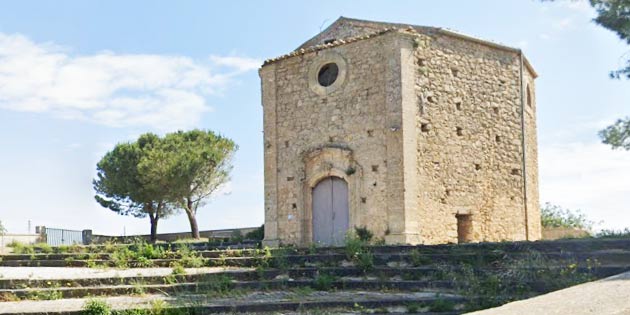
(117, 90)
(241, 64)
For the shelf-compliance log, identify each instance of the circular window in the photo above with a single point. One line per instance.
(328, 74)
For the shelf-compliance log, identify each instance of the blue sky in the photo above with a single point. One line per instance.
(77, 77)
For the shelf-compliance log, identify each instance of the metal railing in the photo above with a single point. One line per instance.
(56, 237)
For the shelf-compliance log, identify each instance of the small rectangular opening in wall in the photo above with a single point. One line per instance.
(458, 105)
(424, 127)
(460, 131)
(290, 179)
(431, 99)
(516, 171)
(497, 138)
(330, 41)
(420, 62)
(374, 168)
(455, 72)
(294, 206)
(286, 144)
(464, 228)
(495, 109)
(477, 166)
(370, 133)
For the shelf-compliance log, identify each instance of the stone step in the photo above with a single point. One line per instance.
(425, 273)
(218, 285)
(558, 246)
(379, 259)
(268, 302)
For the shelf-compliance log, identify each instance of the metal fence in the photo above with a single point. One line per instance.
(56, 237)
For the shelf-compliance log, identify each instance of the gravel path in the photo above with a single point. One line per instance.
(52, 273)
(609, 296)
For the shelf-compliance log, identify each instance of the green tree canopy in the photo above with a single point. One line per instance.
(614, 15)
(556, 216)
(122, 187)
(194, 164)
(617, 135)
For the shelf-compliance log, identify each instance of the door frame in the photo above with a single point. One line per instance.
(322, 163)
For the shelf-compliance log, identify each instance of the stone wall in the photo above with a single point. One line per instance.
(309, 136)
(470, 141)
(424, 128)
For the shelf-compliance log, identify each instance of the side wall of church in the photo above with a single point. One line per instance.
(470, 141)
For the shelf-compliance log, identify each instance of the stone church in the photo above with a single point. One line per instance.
(420, 134)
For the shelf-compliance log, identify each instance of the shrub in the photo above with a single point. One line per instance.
(354, 246)
(44, 248)
(96, 307)
(556, 216)
(613, 233)
(323, 282)
(237, 236)
(257, 234)
(23, 249)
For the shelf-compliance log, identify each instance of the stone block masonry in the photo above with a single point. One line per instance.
(434, 133)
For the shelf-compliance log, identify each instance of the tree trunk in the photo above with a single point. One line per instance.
(194, 228)
(154, 226)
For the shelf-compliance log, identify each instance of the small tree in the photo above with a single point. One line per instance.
(122, 187)
(196, 163)
(556, 216)
(2, 229)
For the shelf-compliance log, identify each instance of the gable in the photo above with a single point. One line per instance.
(345, 27)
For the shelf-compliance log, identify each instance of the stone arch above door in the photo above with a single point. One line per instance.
(327, 162)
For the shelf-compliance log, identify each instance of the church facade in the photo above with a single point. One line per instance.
(421, 135)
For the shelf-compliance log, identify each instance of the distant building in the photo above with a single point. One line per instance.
(420, 134)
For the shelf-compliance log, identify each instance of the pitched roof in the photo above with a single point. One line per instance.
(375, 28)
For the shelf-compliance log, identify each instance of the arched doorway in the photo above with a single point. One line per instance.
(330, 211)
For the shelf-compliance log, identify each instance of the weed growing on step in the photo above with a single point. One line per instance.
(323, 282)
(511, 278)
(442, 305)
(219, 285)
(418, 259)
(178, 269)
(8, 297)
(190, 258)
(358, 252)
(96, 307)
(42, 295)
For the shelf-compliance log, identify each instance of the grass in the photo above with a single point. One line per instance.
(323, 282)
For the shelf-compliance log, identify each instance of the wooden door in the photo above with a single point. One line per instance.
(330, 211)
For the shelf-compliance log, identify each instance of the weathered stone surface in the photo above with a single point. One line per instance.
(426, 126)
(606, 296)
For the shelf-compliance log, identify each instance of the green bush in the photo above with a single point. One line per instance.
(625, 233)
(257, 234)
(22, 249)
(323, 282)
(96, 307)
(556, 216)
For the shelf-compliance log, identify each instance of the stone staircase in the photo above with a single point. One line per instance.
(441, 279)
